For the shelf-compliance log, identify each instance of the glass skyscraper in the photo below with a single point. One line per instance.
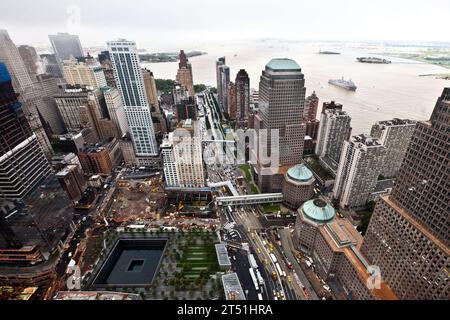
(130, 82)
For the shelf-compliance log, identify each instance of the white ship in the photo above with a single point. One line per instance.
(346, 84)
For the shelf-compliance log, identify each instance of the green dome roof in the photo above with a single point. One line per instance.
(283, 65)
(300, 173)
(319, 211)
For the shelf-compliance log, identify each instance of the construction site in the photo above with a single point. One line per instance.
(137, 200)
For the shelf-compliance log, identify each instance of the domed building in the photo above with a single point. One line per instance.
(310, 217)
(298, 186)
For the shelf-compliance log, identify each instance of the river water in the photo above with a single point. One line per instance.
(384, 91)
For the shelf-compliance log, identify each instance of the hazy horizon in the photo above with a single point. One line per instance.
(181, 23)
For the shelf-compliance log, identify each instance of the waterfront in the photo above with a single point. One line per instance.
(384, 91)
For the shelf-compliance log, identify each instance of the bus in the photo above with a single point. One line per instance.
(281, 273)
(260, 297)
(255, 282)
(252, 261)
(273, 258)
(260, 278)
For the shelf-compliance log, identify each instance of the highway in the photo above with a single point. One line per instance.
(246, 222)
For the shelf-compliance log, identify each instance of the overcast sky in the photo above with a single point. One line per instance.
(182, 21)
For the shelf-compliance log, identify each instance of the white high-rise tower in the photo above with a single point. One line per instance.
(130, 82)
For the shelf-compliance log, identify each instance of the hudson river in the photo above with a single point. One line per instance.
(384, 91)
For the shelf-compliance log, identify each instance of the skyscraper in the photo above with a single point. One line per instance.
(29, 96)
(66, 46)
(395, 135)
(408, 235)
(219, 62)
(224, 73)
(183, 160)
(281, 105)
(242, 96)
(31, 60)
(34, 210)
(22, 164)
(311, 105)
(334, 129)
(184, 74)
(360, 165)
(51, 66)
(150, 89)
(116, 110)
(48, 86)
(232, 103)
(130, 82)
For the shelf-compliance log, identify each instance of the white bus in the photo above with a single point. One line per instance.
(255, 282)
(281, 273)
(273, 258)
(252, 261)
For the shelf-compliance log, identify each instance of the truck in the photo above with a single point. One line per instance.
(255, 281)
(252, 261)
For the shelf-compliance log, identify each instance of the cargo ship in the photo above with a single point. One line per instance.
(328, 52)
(373, 60)
(346, 84)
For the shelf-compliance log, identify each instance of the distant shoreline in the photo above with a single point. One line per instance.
(167, 57)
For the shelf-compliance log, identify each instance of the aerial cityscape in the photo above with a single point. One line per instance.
(259, 168)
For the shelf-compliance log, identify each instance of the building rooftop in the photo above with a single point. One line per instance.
(232, 287)
(222, 255)
(95, 295)
(366, 140)
(300, 173)
(396, 122)
(283, 64)
(318, 211)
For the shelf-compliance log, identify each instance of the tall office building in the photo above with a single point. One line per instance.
(68, 103)
(242, 96)
(232, 103)
(31, 60)
(150, 89)
(23, 164)
(48, 86)
(281, 104)
(130, 82)
(34, 211)
(159, 121)
(395, 135)
(116, 110)
(219, 62)
(183, 161)
(311, 106)
(66, 46)
(88, 73)
(184, 74)
(105, 60)
(224, 75)
(408, 236)
(334, 129)
(51, 65)
(23, 85)
(360, 165)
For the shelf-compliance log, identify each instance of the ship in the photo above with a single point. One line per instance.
(373, 60)
(328, 52)
(346, 84)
